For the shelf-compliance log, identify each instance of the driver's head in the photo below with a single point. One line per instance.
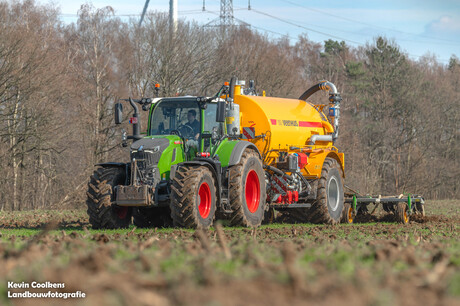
(191, 115)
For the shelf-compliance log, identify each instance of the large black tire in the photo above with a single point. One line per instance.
(152, 217)
(329, 203)
(193, 197)
(247, 191)
(402, 215)
(103, 213)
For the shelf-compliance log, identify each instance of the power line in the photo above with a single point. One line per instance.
(305, 28)
(366, 24)
(251, 25)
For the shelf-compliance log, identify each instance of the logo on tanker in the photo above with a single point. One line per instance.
(296, 123)
(290, 123)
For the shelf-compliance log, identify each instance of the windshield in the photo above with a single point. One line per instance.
(176, 117)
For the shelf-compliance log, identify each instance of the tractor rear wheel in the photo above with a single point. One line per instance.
(347, 214)
(247, 191)
(401, 213)
(103, 213)
(330, 198)
(152, 217)
(193, 197)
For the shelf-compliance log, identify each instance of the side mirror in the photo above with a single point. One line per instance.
(220, 114)
(118, 113)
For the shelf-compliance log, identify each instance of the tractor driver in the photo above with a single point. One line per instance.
(193, 123)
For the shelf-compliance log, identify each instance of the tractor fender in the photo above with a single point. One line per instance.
(238, 150)
(126, 166)
(207, 163)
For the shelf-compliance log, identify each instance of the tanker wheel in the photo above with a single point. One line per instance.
(329, 203)
(402, 215)
(347, 214)
(152, 217)
(193, 197)
(103, 213)
(247, 191)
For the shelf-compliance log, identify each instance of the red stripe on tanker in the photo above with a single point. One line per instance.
(310, 124)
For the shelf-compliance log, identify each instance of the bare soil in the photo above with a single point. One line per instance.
(373, 262)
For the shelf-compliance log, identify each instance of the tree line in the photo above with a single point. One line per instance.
(58, 83)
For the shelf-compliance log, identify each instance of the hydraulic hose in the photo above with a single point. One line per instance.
(278, 171)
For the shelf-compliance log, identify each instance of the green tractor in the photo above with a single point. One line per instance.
(184, 171)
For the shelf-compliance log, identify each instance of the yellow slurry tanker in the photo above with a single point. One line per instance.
(235, 155)
(295, 140)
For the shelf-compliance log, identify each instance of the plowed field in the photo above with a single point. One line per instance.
(375, 262)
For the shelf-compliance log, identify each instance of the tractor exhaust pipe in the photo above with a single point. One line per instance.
(232, 88)
(136, 122)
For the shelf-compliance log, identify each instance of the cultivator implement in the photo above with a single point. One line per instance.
(402, 206)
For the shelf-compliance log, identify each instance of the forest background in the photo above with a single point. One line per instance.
(399, 127)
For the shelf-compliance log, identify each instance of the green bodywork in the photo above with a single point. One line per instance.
(166, 159)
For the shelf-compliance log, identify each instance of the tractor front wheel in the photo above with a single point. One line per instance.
(247, 191)
(103, 213)
(193, 197)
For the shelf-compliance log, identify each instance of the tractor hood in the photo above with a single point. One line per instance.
(150, 144)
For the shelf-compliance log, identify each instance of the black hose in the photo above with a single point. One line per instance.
(278, 171)
(310, 91)
(320, 86)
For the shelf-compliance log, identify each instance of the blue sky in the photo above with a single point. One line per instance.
(419, 27)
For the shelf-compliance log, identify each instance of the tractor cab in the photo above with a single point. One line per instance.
(194, 122)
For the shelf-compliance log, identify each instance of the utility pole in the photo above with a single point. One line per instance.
(173, 15)
(143, 12)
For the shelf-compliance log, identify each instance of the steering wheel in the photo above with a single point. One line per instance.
(186, 130)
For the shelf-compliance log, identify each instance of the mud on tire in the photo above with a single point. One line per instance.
(247, 191)
(193, 197)
(103, 213)
(329, 203)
